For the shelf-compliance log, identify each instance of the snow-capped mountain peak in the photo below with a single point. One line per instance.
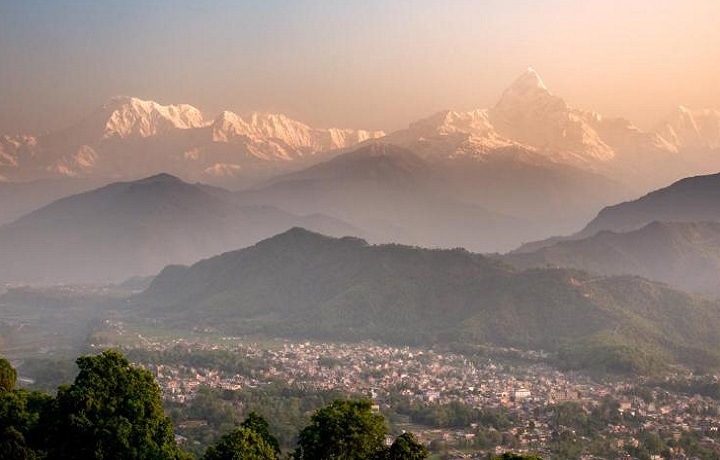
(530, 117)
(528, 93)
(129, 136)
(125, 116)
(263, 127)
(227, 126)
(529, 80)
(530, 114)
(449, 122)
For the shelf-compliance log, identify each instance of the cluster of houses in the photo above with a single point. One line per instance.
(528, 389)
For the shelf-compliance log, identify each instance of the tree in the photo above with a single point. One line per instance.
(406, 447)
(511, 456)
(13, 446)
(21, 434)
(259, 425)
(111, 411)
(343, 430)
(241, 444)
(8, 375)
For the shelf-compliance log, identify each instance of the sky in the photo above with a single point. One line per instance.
(376, 64)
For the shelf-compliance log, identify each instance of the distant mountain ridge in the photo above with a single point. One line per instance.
(135, 228)
(302, 284)
(20, 198)
(670, 235)
(683, 254)
(692, 199)
(396, 195)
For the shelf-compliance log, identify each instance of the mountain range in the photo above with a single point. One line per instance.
(303, 284)
(690, 199)
(393, 195)
(684, 254)
(670, 235)
(381, 192)
(129, 138)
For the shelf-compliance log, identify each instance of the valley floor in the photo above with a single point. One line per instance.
(461, 406)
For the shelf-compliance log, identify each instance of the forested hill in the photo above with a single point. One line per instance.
(302, 284)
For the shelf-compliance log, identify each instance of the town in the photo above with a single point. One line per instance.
(537, 399)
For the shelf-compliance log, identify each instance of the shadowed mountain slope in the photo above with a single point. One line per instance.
(687, 200)
(396, 196)
(683, 254)
(136, 228)
(693, 199)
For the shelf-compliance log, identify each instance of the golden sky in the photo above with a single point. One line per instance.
(356, 63)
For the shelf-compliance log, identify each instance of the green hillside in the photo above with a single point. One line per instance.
(302, 284)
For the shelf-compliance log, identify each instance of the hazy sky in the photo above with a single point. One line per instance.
(353, 63)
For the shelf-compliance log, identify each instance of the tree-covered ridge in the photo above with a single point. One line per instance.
(303, 284)
(113, 410)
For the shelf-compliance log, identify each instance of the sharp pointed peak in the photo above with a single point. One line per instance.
(528, 88)
(529, 79)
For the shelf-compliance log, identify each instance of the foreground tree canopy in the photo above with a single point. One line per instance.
(113, 410)
(8, 375)
(349, 430)
(343, 430)
(20, 428)
(241, 444)
(406, 447)
(259, 425)
(110, 397)
(511, 456)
